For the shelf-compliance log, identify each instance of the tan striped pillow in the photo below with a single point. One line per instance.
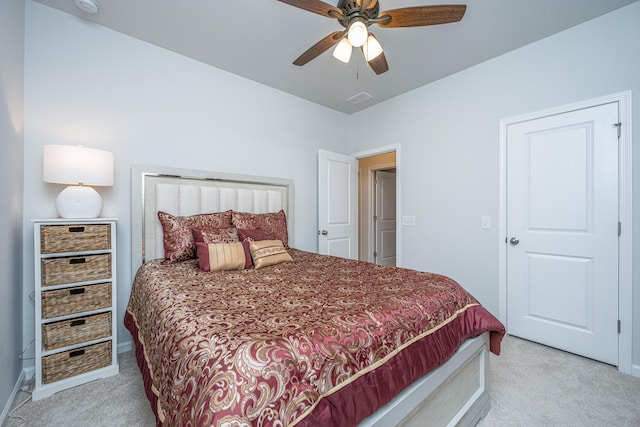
(226, 256)
(268, 252)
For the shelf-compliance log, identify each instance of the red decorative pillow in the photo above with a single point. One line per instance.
(204, 260)
(274, 225)
(246, 245)
(204, 237)
(224, 256)
(251, 235)
(215, 235)
(178, 240)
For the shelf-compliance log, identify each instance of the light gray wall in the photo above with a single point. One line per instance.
(448, 133)
(86, 84)
(11, 175)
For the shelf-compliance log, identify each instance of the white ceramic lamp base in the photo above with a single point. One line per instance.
(79, 201)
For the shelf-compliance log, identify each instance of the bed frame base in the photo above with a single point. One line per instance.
(454, 394)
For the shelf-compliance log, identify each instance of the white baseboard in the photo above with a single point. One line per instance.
(12, 397)
(124, 347)
(635, 370)
(29, 372)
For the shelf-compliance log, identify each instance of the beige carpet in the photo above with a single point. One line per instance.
(534, 385)
(531, 385)
(115, 401)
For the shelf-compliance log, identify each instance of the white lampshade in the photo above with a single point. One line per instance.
(357, 33)
(371, 48)
(80, 167)
(77, 165)
(343, 51)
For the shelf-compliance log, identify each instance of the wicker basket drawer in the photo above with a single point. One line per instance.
(58, 271)
(74, 238)
(75, 300)
(76, 331)
(67, 364)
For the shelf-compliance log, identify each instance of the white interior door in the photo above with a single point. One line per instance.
(337, 205)
(562, 225)
(385, 218)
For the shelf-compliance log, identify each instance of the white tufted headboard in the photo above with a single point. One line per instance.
(188, 192)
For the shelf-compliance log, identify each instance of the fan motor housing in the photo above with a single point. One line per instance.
(351, 9)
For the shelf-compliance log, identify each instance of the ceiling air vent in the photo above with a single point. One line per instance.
(359, 97)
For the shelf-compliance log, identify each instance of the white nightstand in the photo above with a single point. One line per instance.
(75, 302)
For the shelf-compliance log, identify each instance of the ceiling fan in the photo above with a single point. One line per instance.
(357, 15)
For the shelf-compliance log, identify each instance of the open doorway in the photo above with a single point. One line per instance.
(377, 208)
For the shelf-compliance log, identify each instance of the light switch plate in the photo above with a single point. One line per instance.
(409, 220)
(485, 223)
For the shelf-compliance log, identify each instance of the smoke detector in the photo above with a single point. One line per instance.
(88, 6)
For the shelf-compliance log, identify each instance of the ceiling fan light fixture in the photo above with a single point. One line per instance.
(357, 33)
(343, 50)
(356, 16)
(372, 48)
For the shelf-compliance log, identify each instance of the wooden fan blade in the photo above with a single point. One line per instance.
(379, 64)
(319, 48)
(422, 15)
(316, 6)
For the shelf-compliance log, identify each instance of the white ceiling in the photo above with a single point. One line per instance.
(259, 39)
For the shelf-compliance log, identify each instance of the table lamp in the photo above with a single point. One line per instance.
(80, 168)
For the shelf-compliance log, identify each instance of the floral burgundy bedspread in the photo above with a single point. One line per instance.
(317, 341)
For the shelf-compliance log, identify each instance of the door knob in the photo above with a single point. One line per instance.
(514, 241)
(323, 232)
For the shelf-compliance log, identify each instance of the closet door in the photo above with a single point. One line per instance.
(562, 231)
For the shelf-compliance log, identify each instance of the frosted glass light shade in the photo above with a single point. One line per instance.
(357, 33)
(343, 50)
(80, 167)
(371, 48)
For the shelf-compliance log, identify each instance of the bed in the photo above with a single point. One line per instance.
(299, 339)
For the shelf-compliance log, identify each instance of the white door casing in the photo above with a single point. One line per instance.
(562, 227)
(385, 218)
(337, 205)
